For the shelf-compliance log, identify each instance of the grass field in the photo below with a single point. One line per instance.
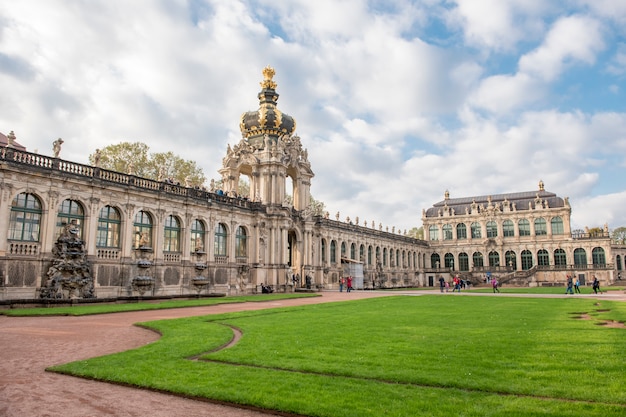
(391, 356)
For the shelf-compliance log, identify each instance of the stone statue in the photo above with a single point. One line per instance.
(10, 139)
(356, 221)
(96, 158)
(212, 186)
(130, 169)
(188, 181)
(337, 216)
(56, 147)
(198, 243)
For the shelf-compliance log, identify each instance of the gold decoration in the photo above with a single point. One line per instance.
(268, 74)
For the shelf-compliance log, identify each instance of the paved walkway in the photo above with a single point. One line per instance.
(28, 345)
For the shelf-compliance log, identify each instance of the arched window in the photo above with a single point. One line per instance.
(524, 227)
(25, 221)
(560, 259)
(70, 212)
(435, 260)
(494, 258)
(171, 235)
(618, 262)
(597, 254)
(398, 258)
(527, 260)
(333, 251)
(477, 260)
(378, 260)
(543, 258)
(198, 232)
(511, 259)
(540, 227)
(557, 225)
(492, 229)
(384, 256)
(109, 226)
(580, 257)
(508, 229)
(448, 260)
(142, 229)
(221, 237)
(343, 249)
(323, 251)
(353, 251)
(241, 242)
(447, 232)
(463, 262)
(461, 231)
(433, 233)
(369, 255)
(362, 253)
(476, 234)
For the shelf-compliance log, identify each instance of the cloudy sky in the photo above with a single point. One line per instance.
(396, 100)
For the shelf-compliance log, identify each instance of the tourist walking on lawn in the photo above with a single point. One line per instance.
(577, 286)
(596, 285)
(441, 284)
(349, 284)
(494, 284)
(570, 285)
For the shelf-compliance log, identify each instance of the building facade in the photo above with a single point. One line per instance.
(69, 230)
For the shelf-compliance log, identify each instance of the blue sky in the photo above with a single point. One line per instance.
(396, 101)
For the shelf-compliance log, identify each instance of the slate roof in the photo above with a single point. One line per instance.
(520, 199)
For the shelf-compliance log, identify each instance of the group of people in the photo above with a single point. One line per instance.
(573, 286)
(457, 284)
(347, 282)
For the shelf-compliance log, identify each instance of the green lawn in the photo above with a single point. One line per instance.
(391, 356)
(84, 310)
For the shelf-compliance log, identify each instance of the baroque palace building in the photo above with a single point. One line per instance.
(69, 230)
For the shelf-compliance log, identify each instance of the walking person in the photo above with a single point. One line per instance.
(349, 284)
(441, 284)
(577, 286)
(341, 282)
(570, 285)
(596, 285)
(494, 284)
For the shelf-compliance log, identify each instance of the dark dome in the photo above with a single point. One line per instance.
(267, 119)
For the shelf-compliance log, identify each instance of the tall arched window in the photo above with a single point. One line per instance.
(70, 212)
(540, 227)
(511, 259)
(171, 235)
(494, 258)
(398, 258)
(461, 231)
(384, 256)
(597, 254)
(560, 259)
(448, 260)
(618, 262)
(476, 233)
(25, 220)
(142, 229)
(527, 260)
(524, 227)
(508, 229)
(378, 260)
(492, 229)
(109, 226)
(241, 242)
(477, 260)
(352, 251)
(463, 262)
(324, 251)
(447, 232)
(333, 251)
(557, 225)
(433, 233)
(198, 232)
(435, 260)
(362, 253)
(580, 257)
(343, 249)
(369, 255)
(543, 258)
(221, 238)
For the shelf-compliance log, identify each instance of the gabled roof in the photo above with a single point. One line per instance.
(4, 142)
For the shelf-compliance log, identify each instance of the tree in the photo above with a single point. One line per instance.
(417, 233)
(618, 235)
(133, 158)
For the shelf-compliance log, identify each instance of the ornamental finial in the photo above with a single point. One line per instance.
(268, 74)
